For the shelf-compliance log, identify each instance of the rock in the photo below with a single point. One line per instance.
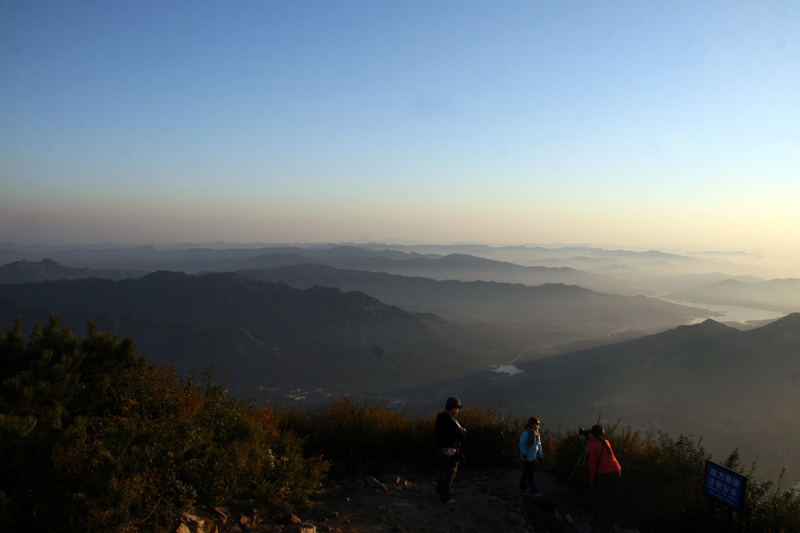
(301, 528)
(224, 513)
(486, 514)
(374, 483)
(541, 514)
(192, 523)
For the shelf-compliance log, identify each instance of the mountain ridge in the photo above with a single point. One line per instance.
(270, 327)
(47, 269)
(782, 295)
(551, 304)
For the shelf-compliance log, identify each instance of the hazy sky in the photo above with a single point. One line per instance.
(638, 123)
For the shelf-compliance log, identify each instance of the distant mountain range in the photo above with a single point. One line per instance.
(782, 295)
(448, 267)
(507, 321)
(547, 307)
(609, 271)
(47, 269)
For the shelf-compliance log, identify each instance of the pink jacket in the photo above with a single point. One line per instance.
(601, 458)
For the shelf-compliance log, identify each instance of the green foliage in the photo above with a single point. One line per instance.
(93, 439)
(367, 438)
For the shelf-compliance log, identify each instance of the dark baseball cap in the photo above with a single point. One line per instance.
(453, 403)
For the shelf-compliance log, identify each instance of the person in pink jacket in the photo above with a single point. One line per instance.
(604, 470)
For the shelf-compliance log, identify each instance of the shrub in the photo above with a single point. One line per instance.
(93, 439)
(363, 438)
(660, 476)
(765, 508)
(492, 438)
(662, 484)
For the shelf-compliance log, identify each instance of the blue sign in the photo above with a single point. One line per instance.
(725, 485)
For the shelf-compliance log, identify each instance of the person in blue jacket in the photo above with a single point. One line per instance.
(530, 447)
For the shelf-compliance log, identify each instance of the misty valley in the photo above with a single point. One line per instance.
(700, 344)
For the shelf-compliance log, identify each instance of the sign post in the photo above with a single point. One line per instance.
(725, 485)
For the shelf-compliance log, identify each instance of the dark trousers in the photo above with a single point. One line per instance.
(528, 482)
(447, 475)
(605, 484)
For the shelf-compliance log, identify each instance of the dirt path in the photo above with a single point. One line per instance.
(486, 501)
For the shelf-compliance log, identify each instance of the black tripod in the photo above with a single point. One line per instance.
(580, 462)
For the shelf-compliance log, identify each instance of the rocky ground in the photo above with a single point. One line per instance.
(486, 501)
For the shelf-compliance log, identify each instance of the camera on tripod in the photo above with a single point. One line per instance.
(595, 431)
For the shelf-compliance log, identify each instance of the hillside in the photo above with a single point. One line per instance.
(732, 388)
(258, 334)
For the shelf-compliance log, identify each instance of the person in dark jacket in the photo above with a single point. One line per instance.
(447, 436)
